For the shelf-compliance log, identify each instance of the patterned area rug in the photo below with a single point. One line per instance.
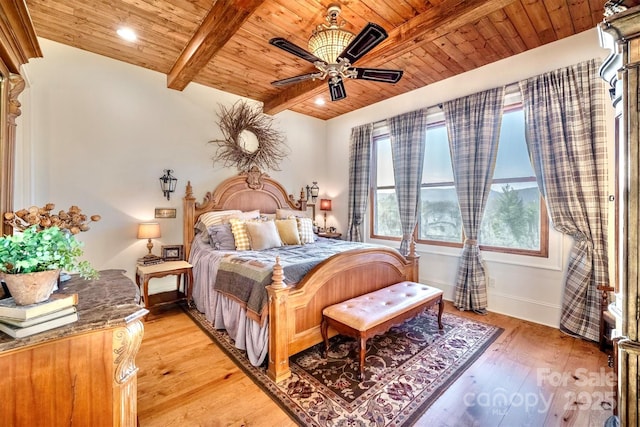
(406, 370)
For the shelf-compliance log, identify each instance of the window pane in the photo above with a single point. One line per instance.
(384, 168)
(513, 156)
(440, 215)
(512, 216)
(437, 159)
(387, 217)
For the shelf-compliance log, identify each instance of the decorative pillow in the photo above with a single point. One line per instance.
(216, 217)
(263, 235)
(288, 231)
(305, 229)
(267, 217)
(221, 237)
(240, 235)
(201, 230)
(243, 215)
(288, 213)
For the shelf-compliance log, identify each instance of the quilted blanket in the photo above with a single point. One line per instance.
(244, 275)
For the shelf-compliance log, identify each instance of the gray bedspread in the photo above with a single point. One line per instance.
(244, 275)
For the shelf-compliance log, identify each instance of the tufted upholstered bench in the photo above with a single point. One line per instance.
(375, 313)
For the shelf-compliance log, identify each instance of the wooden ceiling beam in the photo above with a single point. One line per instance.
(424, 28)
(220, 24)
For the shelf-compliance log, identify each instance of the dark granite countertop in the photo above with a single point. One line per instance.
(111, 300)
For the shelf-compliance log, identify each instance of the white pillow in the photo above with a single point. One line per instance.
(246, 216)
(216, 217)
(288, 213)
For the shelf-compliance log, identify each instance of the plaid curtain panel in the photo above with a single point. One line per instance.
(359, 165)
(473, 124)
(408, 133)
(565, 130)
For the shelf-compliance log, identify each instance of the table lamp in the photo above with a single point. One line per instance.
(149, 230)
(325, 205)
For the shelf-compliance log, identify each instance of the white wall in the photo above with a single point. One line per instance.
(525, 287)
(100, 132)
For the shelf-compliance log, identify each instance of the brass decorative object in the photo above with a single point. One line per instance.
(240, 124)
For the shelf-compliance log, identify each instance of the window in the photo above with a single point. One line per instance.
(515, 219)
(386, 218)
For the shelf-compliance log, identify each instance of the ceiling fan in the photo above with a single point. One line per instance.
(335, 51)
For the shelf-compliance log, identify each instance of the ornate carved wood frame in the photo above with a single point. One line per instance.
(18, 44)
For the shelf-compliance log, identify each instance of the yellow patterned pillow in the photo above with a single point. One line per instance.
(240, 235)
(288, 231)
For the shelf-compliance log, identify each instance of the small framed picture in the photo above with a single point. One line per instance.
(172, 252)
(165, 213)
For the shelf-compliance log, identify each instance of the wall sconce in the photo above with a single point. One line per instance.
(312, 192)
(149, 230)
(168, 183)
(325, 205)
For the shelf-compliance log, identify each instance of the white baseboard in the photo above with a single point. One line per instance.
(521, 308)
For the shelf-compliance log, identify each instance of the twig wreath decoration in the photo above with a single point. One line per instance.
(241, 124)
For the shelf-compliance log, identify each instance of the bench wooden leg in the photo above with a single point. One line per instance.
(440, 311)
(363, 353)
(324, 326)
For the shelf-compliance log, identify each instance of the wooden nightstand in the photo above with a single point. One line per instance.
(330, 235)
(181, 269)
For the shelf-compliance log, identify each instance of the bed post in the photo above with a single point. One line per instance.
(413, 273)
(278, 368)
(188, 210)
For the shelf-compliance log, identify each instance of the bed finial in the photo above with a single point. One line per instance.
(189, 190)
(278, 275)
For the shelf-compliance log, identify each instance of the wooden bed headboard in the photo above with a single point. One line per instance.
(247, 191)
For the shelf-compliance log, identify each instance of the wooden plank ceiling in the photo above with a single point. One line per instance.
(224, 44)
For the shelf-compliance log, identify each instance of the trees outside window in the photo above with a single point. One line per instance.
(515, 218)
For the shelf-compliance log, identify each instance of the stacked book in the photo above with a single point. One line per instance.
(21, 321)
(150, 260)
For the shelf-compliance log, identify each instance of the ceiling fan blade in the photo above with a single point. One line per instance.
(370, 36)
(336, 89)
(293, 49)
(295, 79)
(378, 75)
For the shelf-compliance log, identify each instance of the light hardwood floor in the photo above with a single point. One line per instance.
(532, 375)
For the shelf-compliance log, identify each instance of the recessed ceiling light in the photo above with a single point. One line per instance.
(319, 101)
(127, 33)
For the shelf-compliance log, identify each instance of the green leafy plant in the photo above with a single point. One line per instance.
(48, 249)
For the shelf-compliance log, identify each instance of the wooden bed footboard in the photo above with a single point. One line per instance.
(295, 313)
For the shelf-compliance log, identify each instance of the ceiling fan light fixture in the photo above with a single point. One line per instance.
(333, 51)
(329, 40)
(329, 43)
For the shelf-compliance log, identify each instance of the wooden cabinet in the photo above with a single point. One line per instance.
(82, 374)
(620, 32)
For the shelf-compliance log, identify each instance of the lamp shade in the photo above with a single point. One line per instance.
(148, 230)
(325, 204)
(327, 44)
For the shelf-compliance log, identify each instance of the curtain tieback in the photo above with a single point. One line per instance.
(471, 242)
(407, 236)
